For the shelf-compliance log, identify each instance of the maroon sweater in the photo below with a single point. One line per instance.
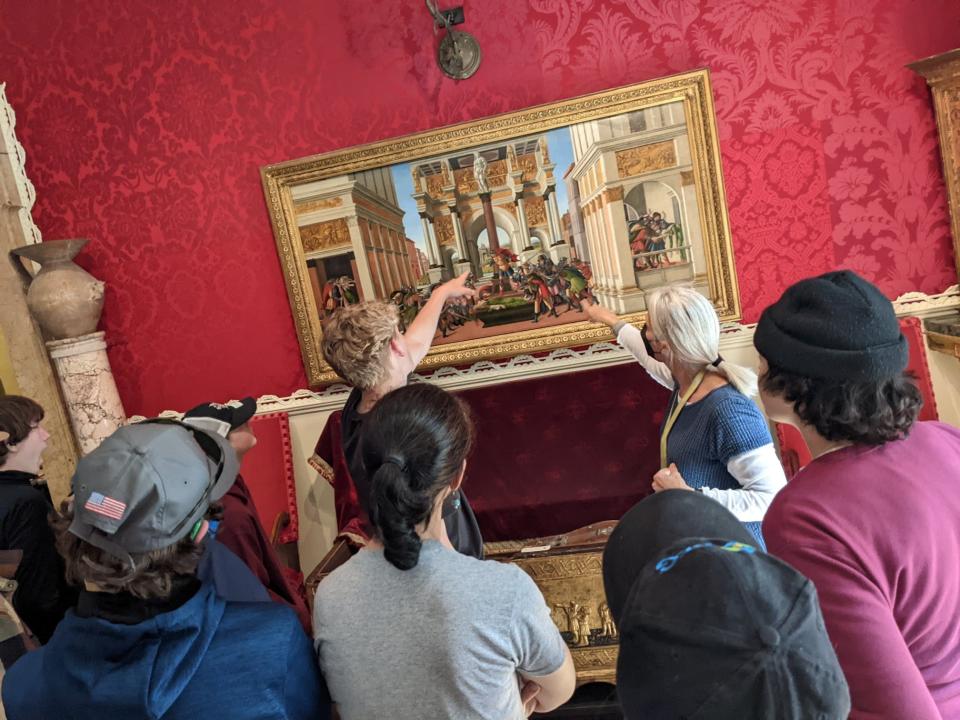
(877, 529)
(241, 531)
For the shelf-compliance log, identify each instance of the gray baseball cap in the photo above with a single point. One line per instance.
(146, 486)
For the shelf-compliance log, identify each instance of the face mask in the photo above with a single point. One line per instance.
(646, 343)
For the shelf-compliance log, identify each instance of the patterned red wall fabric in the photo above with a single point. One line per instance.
(145, 125)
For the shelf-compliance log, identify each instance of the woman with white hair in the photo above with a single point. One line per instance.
(714, 438)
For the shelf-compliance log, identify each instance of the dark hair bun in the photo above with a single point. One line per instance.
(395, 510)
(413, 446)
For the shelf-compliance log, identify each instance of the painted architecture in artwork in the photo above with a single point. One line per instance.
(508, 186)
(353, 238)
(633, 205)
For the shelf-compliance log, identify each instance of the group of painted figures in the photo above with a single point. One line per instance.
(546, 285)
(652, 238)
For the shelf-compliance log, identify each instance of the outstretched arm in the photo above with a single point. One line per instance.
(632, 339)
(419, 335)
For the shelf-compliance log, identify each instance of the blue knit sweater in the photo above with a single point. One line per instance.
(710, 432)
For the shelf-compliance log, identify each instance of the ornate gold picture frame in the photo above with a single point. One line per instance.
(605, 196)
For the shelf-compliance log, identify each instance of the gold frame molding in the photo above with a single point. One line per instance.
(692, 88)
(942, 73)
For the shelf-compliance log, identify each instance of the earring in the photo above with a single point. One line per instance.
(456, 502)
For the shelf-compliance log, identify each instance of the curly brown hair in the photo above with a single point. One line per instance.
(355, 341)
(867, 412)
(150, 578)
(18, 416)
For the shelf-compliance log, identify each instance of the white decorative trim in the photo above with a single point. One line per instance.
(24, 194)
(733, 336)
(922, 305)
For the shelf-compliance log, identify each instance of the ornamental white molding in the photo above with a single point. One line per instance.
(733, 336)
(21, 195)
(923, 306)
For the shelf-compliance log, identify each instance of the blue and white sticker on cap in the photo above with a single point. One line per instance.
(107, 506)
(666, 564)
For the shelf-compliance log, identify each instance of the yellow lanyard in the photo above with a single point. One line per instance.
(668, 426)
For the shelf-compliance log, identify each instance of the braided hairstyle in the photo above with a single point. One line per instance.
(413, 445)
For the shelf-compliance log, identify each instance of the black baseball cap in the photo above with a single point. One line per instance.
(711, 626)
(234, 413)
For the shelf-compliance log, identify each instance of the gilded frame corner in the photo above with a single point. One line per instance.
(692, 88)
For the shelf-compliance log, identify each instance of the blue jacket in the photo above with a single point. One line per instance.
(232, 579)
(206, 659)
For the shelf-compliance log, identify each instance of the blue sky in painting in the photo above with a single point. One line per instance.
(561, 153)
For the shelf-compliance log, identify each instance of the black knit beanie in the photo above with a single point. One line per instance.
(836, 326)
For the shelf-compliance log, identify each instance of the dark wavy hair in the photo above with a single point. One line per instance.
(865, 412)
(153, 573)
(18, 416)
(413, 445)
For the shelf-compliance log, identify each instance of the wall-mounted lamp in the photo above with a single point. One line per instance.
(458, 54)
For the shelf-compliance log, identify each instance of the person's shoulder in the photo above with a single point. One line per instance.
(490, 576)
(24, 500)
(934, 431)
(819, 497)
(265, 619)
(729, 400)
(23, 683)
(344, 581)
(796, 516)
(785, 500)
(261, 642)
(22, 492)
(734, 414)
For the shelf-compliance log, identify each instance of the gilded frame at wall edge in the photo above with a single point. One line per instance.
(693, 88)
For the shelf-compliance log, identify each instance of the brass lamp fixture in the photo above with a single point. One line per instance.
(458, 54)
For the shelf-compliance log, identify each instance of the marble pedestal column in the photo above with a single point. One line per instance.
(496, 286)
(89, 389)
(491, 222)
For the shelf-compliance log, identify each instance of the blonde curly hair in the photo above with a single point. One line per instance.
(356, 339)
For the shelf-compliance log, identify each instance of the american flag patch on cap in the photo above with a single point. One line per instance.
(104, 505)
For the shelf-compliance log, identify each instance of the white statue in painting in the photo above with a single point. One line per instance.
(480, 173)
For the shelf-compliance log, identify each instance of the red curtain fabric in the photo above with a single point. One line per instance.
(145, 125)
(556, 453)
(268, 471)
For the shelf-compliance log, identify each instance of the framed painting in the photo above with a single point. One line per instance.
(606, 196)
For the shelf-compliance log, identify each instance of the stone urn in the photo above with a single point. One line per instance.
(64, 298)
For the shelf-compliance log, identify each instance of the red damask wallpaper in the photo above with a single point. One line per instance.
(145, 125)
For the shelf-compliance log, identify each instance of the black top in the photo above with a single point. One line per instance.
(42, 595)
(461, 523)
(125, 609)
